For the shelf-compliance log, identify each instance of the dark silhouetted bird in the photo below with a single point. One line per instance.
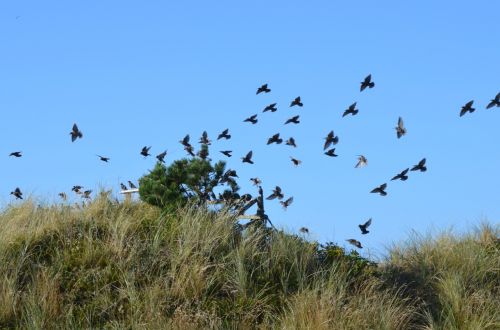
(228, 176)
(304, 230)
(400, 129)
(17, 193)
(131, 185)
(362, 161)
(248, 158)
(420, 166)
(291, 142)
(271, 107)
(355, 243)
(330, 139)
(263, 89)
(286, 203)
(123, 187)
(351, 110)
(75, 133)
(276, 194)
(161, 156)
(275, 139)
(77, 189)
(189, 149)
(226, 153)
(224, 135)
(63, 196)
(380, 190)
(231, 173)
(295, 162)
(86, 194)
(467, 108)
(367, 83)
(256, 181)
(294, 120)
(495, 102)
(145, 151)
(204, 138)
(364, 226)
(296, 101)
(331, 153)
(185, 141)
(16, 154)
(401, 176)
(104, 159)
(252, 119)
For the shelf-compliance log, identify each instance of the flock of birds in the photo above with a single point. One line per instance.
(329, 150)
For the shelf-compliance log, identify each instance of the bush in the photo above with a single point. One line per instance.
(185, 180)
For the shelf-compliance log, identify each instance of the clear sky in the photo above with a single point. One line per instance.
(136, 73)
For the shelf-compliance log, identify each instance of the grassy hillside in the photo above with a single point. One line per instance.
(127, 265)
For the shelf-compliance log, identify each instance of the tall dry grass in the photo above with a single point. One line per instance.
(127, 265)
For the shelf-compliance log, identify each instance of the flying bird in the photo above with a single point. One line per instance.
(16, 154)
(104, 159)
(252, 119)
(63, 196)
(17, 193)
(227, 153)
(248, 158)
(256, 181)
(355, 243)
(271, 107)
(351, 110)
(185, 141)
(224, 135)
(304, 230)
(75, 133)
(420, 166)
(294, 120)
(467, 108)
(275, 139)
(380, 190)
(296, 101)
(86, 194)
(291, 142)
(495, 102)
(367, 83)
(145, 151)
(330, 139)
(204, 138)
(123, 187)
(331, 153)
(286, 203)
(131, 185)
(263, 89)
(364, 226)
(401, 176)
(295, 162)
(276, 194)
(161, 156)
(77, 189)
(400, 129)
(362, 161)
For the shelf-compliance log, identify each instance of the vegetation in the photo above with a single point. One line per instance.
(129, 265)
(186, 180)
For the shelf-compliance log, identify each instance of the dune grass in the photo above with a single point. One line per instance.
(128, 265)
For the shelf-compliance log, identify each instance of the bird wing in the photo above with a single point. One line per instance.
(368, 223)
(400, 123)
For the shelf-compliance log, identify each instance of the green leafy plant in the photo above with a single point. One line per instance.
(188, 180)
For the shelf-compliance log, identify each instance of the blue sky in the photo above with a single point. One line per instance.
(146, 73)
